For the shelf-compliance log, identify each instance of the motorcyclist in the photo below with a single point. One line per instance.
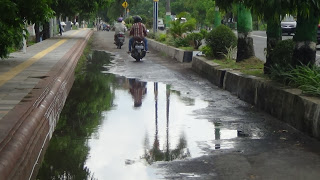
(138, 30)
(119, 27)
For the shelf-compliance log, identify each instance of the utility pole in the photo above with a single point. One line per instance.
(155, 16)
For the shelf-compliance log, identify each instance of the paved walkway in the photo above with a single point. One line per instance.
(22, 71)
(33, 88)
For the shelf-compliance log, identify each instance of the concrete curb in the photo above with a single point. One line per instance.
(286, 104)
(175, 53)
(21, 148)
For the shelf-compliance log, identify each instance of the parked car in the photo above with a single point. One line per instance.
(160, 24)
(318, 35)
(288, 25)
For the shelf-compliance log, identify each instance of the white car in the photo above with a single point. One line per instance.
(288, 25)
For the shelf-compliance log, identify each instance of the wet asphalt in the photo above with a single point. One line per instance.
(263, 147)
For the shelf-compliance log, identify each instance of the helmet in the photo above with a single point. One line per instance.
(137, 18)
(120, 19)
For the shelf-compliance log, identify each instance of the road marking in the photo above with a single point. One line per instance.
(21, 67)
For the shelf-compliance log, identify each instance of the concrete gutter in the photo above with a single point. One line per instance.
(175, 53)
(284, 103)
(22, 142)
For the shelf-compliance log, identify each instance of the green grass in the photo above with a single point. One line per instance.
(252, 66)
(83, 59)
(74, 27)
(30, 43)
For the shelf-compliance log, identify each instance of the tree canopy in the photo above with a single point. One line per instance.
(19, 12)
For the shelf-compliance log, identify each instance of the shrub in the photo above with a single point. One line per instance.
(204, 33)
(161, 37)
(231, 53)
(282, 53)
(195, 40)
(207, 51)
(304, 77)
(151, 35)
(170, 40)
(129, 26)
(181, 42)
(219, 39)
(128, 20)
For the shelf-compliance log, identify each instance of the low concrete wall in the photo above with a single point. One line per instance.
(175, 53)
(286, 104)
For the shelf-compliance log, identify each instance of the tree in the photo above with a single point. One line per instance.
(308, 15)
(18, 13)
(271, 12)
(244, 26)
(11, 27)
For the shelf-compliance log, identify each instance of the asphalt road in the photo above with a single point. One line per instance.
(262, 148)
(259, 41)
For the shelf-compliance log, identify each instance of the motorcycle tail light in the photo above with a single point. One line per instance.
(120, 35)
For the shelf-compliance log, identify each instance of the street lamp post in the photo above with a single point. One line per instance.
(155, 16)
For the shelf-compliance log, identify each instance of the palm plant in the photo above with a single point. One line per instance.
(178, 28)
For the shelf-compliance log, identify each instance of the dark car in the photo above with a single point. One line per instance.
(288, 25)
(318, 35)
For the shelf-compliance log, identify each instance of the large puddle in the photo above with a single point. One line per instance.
(115, 128)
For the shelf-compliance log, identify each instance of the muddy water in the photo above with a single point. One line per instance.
(114, 127)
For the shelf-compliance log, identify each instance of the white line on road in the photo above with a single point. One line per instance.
(259, 36)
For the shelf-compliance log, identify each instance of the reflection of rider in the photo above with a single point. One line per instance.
(138, 31)
(119, 27)
(137, 90)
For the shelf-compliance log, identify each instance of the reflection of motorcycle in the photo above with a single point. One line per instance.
(120, 40)
(137, 50)
(137, 89)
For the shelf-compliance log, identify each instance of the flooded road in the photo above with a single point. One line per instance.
(157, 119)
(120, 126)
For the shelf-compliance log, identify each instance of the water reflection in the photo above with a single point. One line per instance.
(138, 90)
(114, 128)
(68, 150)
(155, 153)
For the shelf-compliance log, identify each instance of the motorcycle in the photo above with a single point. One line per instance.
(138, 51)
(120, 40)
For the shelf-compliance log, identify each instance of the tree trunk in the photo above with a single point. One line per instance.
(305, 38)
(245, 41)
(217, 17)
(46, 31)
(37, 31)
(274, 35)
(168, 14)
